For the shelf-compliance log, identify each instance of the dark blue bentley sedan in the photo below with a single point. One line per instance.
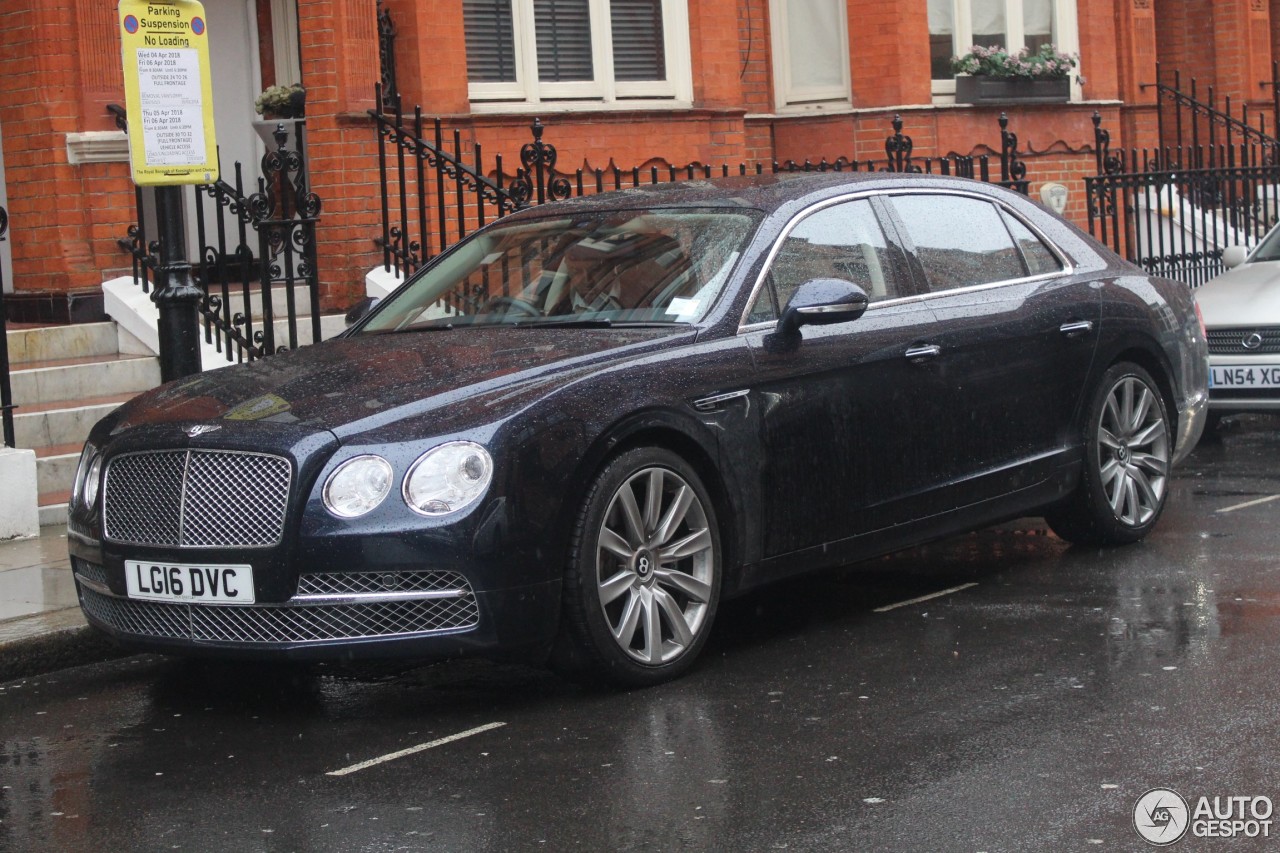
(574, 434)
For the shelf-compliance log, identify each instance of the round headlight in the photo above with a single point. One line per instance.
(93, 479)
(357, 486)
(447, 478)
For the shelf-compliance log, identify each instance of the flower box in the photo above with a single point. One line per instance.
(985, 89)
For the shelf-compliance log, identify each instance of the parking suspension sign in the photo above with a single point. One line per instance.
(168, 92)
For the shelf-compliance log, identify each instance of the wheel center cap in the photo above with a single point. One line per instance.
(1122, 454)
(645, 563)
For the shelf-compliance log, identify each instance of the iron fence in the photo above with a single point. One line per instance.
(436, 189)
(255, 241)
(1213, 182)
(1188, 121)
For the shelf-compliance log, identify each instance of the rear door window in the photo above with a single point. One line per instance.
(959, 241)
(1038, 257)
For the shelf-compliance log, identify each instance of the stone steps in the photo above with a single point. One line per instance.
(66, 378)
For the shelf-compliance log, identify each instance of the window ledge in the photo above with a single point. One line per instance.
(97, 146)
(817, 108)
(564, 107)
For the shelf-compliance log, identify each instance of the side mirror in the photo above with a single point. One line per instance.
(1233, 256)
(822, 301)
(360, 310)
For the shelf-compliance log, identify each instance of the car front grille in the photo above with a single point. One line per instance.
(196, 498)
(349, 583)
(89, 571)
(1232, 341)
(282, 623)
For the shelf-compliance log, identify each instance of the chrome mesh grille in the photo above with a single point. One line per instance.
(349, 583)
(196, 498)
(1231, 341)
(89, 571)
(267, 624)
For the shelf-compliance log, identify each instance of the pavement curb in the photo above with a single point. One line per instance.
(53, 650)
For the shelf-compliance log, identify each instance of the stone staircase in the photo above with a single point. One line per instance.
(64, 379)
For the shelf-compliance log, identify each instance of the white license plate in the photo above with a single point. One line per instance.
(205, 584)
(1246, 376)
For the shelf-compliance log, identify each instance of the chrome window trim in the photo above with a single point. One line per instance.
(1068, 268)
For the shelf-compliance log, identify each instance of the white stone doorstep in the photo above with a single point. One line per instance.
(139, 317)
(19, 515)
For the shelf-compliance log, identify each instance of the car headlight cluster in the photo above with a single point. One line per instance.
(441, 481)
(358, 486)
(84, 489)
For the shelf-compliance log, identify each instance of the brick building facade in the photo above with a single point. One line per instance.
(680, 81)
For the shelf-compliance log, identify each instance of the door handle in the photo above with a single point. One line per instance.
(922, 352)
(1076, 328)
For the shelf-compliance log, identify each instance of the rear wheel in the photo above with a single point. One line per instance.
(1128, 447)
(643, 580)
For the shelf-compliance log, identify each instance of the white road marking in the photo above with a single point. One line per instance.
(392, 756)
(928, 597)
(1249, 504)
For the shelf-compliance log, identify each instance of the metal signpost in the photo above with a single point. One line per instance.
(169, 100)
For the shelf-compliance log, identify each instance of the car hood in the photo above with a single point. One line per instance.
(358, 384)
(1248, 295)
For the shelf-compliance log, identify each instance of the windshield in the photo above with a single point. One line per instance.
(607, 268)
(1270, 248)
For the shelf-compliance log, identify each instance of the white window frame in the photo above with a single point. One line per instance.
(1065, 24)
(526, 91)
(791, 97)
(284, 40)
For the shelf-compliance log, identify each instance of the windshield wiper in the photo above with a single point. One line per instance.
(419, 327)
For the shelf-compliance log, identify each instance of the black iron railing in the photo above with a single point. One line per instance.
(6, 390)
(1194, 122)
(435, 191)
(1172, 210)
(255, 239)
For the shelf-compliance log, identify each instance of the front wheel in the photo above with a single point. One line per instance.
(643, 579)
(1128, 448)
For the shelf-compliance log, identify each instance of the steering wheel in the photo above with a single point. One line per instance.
(506, 304)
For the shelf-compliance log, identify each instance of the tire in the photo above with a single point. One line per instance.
(643, 580)
(1128, 445)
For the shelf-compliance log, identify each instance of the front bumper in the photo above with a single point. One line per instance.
(1192, 418)
(446, 622)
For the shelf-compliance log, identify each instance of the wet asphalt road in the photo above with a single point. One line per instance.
(1026, 712)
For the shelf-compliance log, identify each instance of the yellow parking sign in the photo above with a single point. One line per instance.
(168, 92)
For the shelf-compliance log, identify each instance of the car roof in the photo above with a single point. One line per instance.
(766, 192)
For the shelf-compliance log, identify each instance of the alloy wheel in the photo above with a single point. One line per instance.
(655, 564)
(1133, 451)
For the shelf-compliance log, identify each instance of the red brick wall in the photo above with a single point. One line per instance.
(1099, 48)
(63, 219)
(340, 69)
(56, 86)
(754, 50)
(889, 52)
(1185, 32)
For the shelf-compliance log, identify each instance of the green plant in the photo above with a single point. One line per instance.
(282, 102)
(1045, 64)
